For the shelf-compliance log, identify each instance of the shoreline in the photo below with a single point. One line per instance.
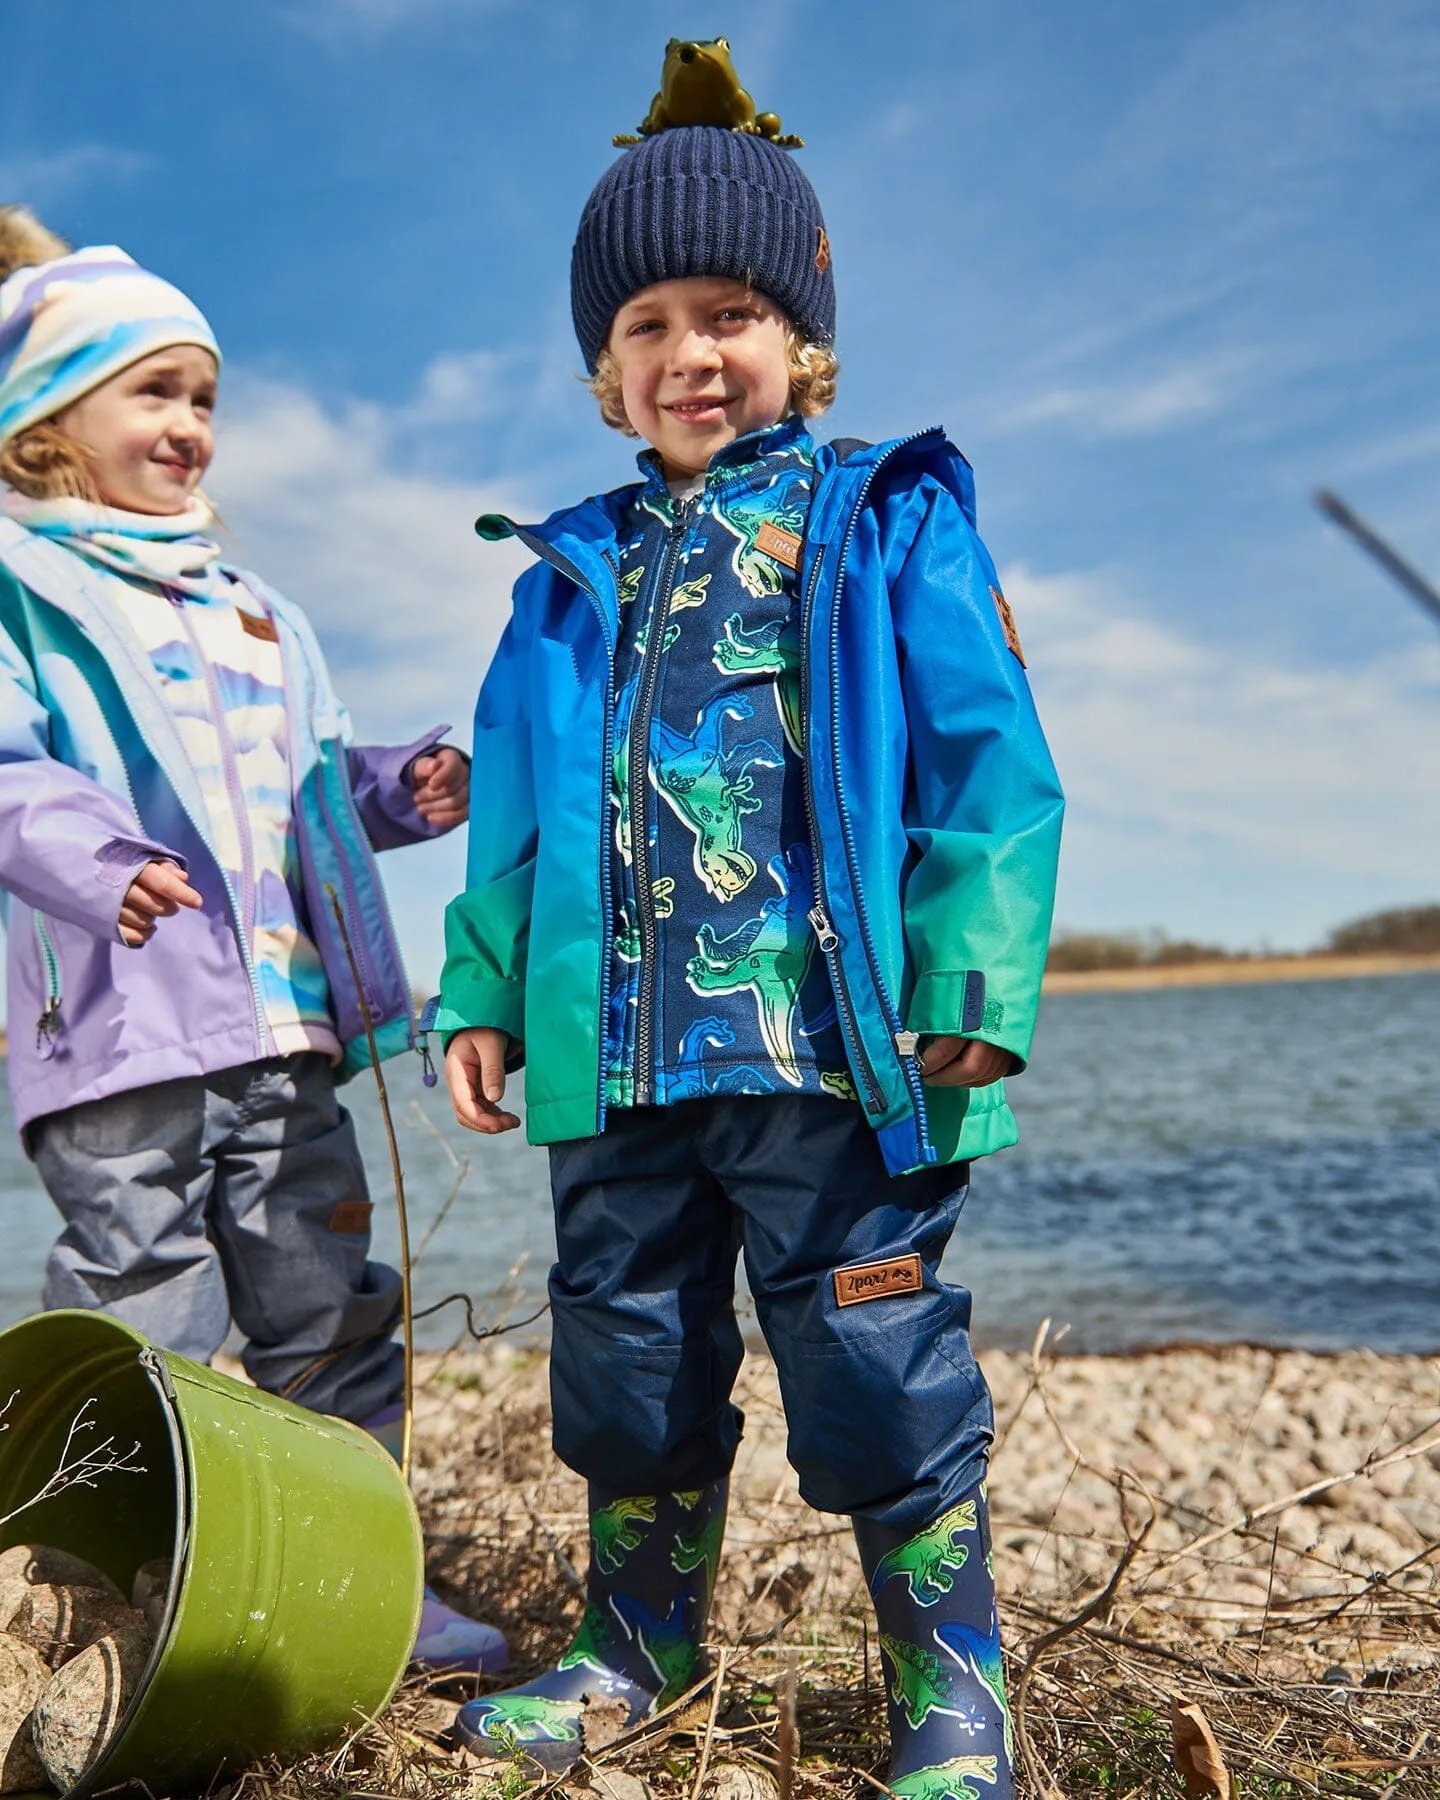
(1236, 971)
(1220, 973)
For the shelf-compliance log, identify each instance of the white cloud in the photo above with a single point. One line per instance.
(43, 179)
(1218, 793)
(408, 602)
(1139, 408)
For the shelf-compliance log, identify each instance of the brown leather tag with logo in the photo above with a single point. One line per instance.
(351, 1216)
(255, 627)
(1007, 625)
(784, 546)
(878, 1280)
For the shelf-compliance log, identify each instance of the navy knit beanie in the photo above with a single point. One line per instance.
(701, 200)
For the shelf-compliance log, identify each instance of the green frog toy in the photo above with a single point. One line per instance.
(699, 86)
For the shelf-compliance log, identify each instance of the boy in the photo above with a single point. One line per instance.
(761, 898)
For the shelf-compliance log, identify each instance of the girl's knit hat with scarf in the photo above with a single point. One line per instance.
(69, 323)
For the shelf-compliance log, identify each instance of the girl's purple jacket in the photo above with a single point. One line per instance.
(94, 783)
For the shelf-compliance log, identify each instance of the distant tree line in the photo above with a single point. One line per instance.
(1399, 931)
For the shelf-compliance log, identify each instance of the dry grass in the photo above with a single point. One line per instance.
(1318, 1674)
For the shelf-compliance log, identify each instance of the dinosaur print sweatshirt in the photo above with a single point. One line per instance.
(717, 984)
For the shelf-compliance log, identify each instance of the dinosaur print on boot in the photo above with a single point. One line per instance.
(931, 1559)
(648, 1590)
(934, 1595)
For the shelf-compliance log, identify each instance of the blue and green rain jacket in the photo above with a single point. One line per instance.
(768, 799)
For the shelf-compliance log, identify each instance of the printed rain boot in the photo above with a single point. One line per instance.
(653, 1559)
(934, 1597)
(448, 1643)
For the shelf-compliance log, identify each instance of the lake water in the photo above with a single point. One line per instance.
(1235, 1163)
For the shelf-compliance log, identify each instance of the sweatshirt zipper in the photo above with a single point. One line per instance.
(47, 1026)
(639, 794)
(905, 1042)
(241, 905)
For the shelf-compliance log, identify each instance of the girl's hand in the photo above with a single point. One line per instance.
(475, 1076)
(158, 891)
(441, 782)
(962, 1062)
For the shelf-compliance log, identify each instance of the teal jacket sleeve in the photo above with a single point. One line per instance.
(487, 928)
(984, 803)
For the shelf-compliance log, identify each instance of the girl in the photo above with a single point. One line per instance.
(178, 800)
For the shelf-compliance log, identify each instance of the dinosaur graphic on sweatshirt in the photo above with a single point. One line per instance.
(769, 649)
(710, 790)
(768, 955)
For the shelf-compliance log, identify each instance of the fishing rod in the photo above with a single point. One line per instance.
(407, 1427)
(1389, 559)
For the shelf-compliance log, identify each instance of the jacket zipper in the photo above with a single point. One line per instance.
(370, 992)
(639, 794)
(47, 1026)
(826, 935)
(905, 1042)
(240, 905)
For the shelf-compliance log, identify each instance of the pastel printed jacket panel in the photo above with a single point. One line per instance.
(709, 852)
(95, 782)
(934, 806)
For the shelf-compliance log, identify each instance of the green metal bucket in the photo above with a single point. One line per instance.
(299, 1563)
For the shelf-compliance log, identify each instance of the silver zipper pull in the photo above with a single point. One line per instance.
(907, 1042)
(825, 932)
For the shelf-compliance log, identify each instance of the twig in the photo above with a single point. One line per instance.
(703, 1770)
(86, 1469)
(785, 1744)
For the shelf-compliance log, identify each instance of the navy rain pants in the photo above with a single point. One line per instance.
(888, 1414)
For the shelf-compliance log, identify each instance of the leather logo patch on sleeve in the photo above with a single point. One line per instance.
(784, 546)
(351, 1216)
(1007, 625)
(878, 1280)
(255, 627)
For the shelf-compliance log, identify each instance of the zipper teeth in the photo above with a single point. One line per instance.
(875, 1099)
(639, 778)
(52, 964)
(893, 1020)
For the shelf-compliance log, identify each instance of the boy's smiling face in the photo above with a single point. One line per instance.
(701, 361)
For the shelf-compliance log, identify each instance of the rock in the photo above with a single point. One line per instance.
(35, 1565)
(23, 1676)
(616, 1784)
(150, 1587)
(731, 1781)
(79, 1710)
(61, 1620)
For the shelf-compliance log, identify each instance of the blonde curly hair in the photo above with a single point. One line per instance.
(814, 370)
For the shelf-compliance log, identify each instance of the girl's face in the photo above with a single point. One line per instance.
(702, 360)
(149, 430)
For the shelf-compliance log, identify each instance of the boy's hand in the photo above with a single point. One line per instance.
(475, 1076)
(157, 892)
(441, 782)
(962, 1062)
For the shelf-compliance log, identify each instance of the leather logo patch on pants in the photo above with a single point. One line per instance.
(878, 1280)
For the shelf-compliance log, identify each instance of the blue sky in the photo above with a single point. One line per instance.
(1159, 270)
